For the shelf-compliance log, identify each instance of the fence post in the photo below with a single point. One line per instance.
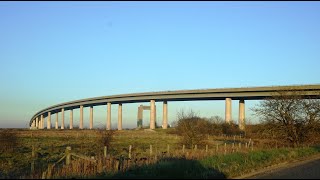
(183, 148)
(252, 146)
(233, 146)
(206, 148)
(225, 148)
(33, 158)
(217, 148)
(49, 171)
(105, 151)
(195, 147)
(130, 152)
(68, 155)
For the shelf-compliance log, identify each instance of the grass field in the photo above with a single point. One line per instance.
(153, 154)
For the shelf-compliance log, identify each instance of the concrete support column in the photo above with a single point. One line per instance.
(108, 116)
(241, 115)
(120, 117)
(49, 121)
(33, 123)
(91, 117)
(81, 118)
(165, 115)
(37, 123)
(62, 118)
(152, 114)
(140, 116)
(228, 117)
(155, 116)
(57, 117)
(71, 119)
(41, 122)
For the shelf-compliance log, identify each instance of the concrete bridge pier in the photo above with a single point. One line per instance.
(62, 118)
(165, 115)
(241, 115)
(108, 116)
(33, 124)
(91, 118)
(49, 121)
(41, 122)
(152, 114)
(57, 117)
(81, 118)
(71, 119)
(37, 122)
(228, 117)
(140, 117)
(120, 116)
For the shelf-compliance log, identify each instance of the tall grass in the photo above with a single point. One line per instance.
(49, 146)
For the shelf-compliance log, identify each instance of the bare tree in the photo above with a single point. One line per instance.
(290, 116)
(105, 137)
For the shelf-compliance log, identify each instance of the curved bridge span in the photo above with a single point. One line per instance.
(227, 94)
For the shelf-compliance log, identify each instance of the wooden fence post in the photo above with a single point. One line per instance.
(233, 146)
(68, 155)
(105, 151)
(33, 153)
(130, 152)
(217, 148)
(225, 148)
(206, 148)
(183, 146)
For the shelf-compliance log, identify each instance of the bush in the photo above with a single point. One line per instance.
(192, 128)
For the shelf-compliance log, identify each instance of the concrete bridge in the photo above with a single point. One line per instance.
(227, 94)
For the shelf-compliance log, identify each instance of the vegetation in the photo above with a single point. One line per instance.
(224, 158)
(290, 117)
(192, 128)
(196, 147)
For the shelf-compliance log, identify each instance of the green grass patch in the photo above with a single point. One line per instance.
(237, 164)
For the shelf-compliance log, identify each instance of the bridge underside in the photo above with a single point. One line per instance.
(228, 94)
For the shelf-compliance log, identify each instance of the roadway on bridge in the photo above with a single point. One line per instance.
(308, 169)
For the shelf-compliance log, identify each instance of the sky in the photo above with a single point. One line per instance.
(54, 52)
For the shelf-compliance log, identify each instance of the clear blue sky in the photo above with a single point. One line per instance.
(53, 52)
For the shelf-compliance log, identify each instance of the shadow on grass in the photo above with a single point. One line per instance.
(171, 168)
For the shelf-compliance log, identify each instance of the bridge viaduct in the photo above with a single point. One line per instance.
(227, 94)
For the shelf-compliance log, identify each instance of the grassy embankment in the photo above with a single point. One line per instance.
(49, 146)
